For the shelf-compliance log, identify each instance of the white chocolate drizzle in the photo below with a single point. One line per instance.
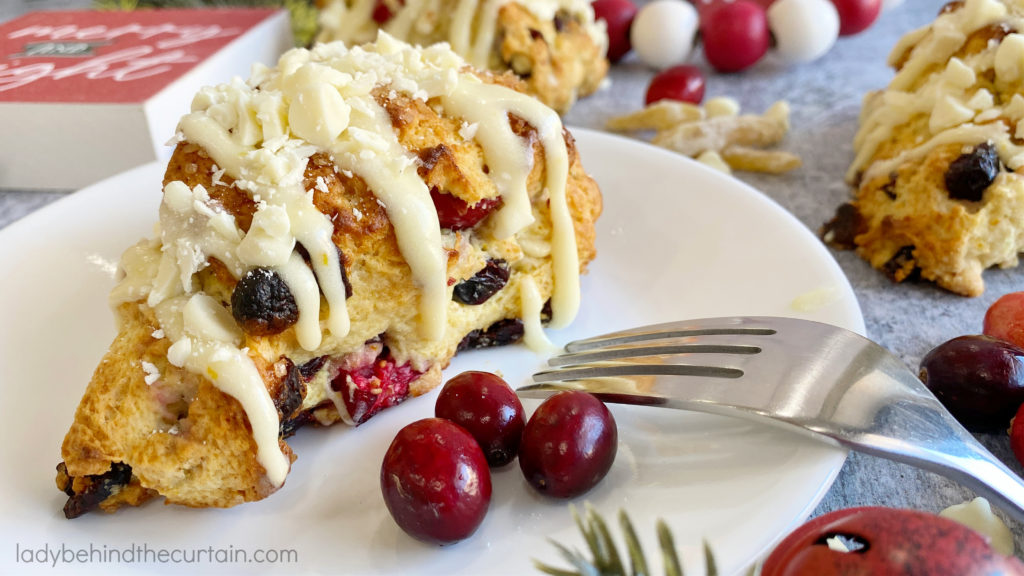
(532, 307)
(470, 27)
(510, 159)
(262, 134)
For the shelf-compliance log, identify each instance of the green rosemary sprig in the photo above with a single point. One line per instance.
(605, 559)
(303, 12)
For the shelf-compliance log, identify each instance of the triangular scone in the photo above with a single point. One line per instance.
(939, 190)
(331, 233)
(555, 46)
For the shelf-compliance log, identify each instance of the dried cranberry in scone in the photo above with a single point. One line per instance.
(969, 175)
(455, 214)
(483, 284)
(262, 304)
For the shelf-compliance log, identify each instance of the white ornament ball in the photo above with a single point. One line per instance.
(663, 31)
(804, 30)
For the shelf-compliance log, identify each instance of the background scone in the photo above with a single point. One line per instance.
(939, 189)
(555, 46)
(331, 233)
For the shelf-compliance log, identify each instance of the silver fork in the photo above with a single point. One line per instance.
(811, 377)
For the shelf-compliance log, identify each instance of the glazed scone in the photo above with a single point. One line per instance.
(939, 188)
(555, 46)
(330, 234)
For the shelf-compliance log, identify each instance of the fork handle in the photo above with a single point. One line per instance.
(968, 463)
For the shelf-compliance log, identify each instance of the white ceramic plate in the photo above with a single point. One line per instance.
(676, 241)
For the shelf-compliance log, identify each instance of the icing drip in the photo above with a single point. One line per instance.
(390, 171)
(532, 306)
(510, 158)
(302, 284)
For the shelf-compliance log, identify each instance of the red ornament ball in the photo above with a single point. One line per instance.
(735, 35)
(684, 83)
(855, 16)
(618, 17)
(887, 541)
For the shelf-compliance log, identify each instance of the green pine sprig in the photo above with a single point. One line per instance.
(605, 559)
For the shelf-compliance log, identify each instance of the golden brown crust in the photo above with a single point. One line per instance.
(186, 440)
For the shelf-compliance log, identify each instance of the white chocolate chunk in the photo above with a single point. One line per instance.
(977, 515)
(982, 100)
(269, 241)
(959, 75)
(1015, 109)
(318, 114)
(1010, 58)
(205, 318)
(947, 114)
(178, 196)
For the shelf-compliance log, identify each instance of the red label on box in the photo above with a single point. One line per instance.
(116, 57)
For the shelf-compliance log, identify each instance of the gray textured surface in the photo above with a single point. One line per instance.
(825, 97)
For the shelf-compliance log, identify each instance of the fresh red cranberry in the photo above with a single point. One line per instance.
(1017, 435)
(489, 409)
(979, 379)
(435, 481)
(735, 35)
(684, 83)
(568, 444)
(372, 387)
(855, 16)
(618, 17)
(1004, 319)
(455, 214)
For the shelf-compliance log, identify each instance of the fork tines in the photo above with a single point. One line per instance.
(660, 350)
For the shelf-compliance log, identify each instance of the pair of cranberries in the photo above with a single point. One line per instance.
(436, 479)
